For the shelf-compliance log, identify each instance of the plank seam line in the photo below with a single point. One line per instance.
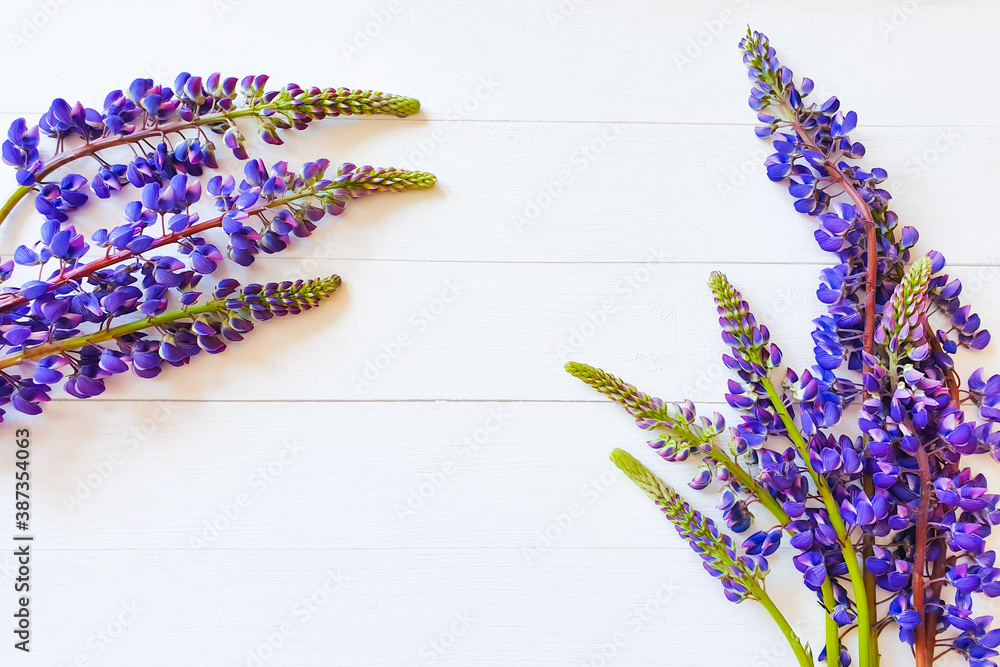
(666, 123)
(360, 401)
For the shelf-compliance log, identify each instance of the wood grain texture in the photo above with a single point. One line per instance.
(406, 476)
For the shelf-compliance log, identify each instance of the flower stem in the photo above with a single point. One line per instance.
(801, 654)
(399, 180)
(19, 193)
(93, 147)
(924, 647)
(314, 290)
(77, 342)
(865, 648)
(832, 629)
(868, 336)
(771, 505)
(347, 102)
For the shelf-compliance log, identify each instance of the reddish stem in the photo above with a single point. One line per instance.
(868, 337)
(97, 145)
(938, 571)
(924, 644)
(64, 158)
(10, 301)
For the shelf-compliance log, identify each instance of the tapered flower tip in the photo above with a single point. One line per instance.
(302, 292)
(327, 286)
(354, 181)
(909, 300)
(630, 465)
(582, 371)
(722, 289)
(420, 179)
(643, 477)
(401, 106)
(637, 472)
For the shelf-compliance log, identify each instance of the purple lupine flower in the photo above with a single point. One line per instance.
(740, 575)
(900, 495)
(74, 304)
(82, 363)
(147, 111)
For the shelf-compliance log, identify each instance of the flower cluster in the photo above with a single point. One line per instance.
(138, 285)
(146, 345)
(741, 576)
(147, 115)
(894, 493)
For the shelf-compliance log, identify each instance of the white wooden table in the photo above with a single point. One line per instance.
(317, 496)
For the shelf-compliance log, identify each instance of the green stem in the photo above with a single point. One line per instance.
(19, 193)
(77, 342)
(346, 102)
(93, 147)
(772, 506)
(832, 629)
(395, 180)
(801, 654)
(836, 521)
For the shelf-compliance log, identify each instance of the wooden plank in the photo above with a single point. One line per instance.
(604, 57)
(489, 331)
(600, 192)
(412, 607)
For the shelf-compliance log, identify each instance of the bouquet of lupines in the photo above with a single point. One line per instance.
(887, 522)
(130, 295)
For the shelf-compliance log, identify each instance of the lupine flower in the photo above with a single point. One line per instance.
(900, 498)
(740, 576)
(148, 111)
(41, 322)
(138, 303)
(84, 362)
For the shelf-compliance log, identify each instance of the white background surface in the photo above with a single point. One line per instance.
(639, 107)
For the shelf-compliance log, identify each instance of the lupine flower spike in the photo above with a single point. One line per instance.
(128, 295)
(176, 119)
(899, 499)
(741, 576)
